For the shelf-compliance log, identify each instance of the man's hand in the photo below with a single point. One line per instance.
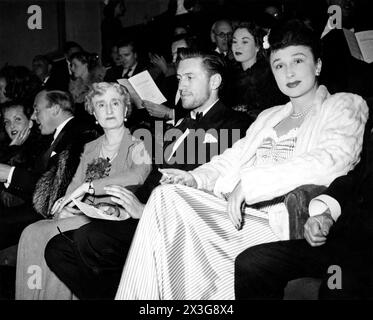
(126, 199)
(160, 62)
(4, 172)
(176, 176)
(316, 229)
(157, 110)
(235, 201)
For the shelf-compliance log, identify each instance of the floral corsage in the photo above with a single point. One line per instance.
(97, 169)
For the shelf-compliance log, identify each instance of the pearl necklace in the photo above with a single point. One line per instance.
(297, 115)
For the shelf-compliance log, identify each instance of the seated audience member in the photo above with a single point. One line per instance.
(115, 158)
(130, 65)
(91, 275)
(61, 73)
(251, 86)
(168, 84)
(23, 145)
(41, 67)
(114, 57)
(342, 72)
(3, 83)
(54, 113)
(221, 36)
(313, 139)
(21, 83)
(86, 69)
(338, 232)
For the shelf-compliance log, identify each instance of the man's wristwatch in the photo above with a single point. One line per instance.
(91, 190)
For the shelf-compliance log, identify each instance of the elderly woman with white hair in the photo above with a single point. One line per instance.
(116, 158)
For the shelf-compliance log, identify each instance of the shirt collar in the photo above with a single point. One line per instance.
(45, 79)
(60, 127)
(220, 52)
(195, 111)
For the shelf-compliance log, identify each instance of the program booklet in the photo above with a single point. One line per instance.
(142, 87)
(96, 213)
(360, 44)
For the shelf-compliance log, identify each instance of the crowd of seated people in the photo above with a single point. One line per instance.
(198, 208)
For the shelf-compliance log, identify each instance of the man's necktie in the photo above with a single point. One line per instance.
(126, 75)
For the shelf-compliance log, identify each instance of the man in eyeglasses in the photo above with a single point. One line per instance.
(221, 34)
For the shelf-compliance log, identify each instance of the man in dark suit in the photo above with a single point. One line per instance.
(61, 73)
(130, 65)
(337, 245)
(54, 113)
(41, 67)
(92, 265)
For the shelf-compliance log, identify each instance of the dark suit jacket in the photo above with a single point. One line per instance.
(354, 193)
(60, 76)
(197, 149)
(23, 181)
(114, 73)
(341, 72)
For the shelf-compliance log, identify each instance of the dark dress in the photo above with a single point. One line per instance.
(253, 90)
(23, 156)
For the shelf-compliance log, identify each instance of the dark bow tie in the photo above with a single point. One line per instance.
(189, 123)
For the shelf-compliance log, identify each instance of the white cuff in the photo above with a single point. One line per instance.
(172, 121)
(323, 202)
(197, 178)
(9, 179)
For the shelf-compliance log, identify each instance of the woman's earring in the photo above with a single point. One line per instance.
(125, 115)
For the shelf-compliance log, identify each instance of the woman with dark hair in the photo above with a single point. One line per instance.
(193, 228)
(22, 146)
(251, 87)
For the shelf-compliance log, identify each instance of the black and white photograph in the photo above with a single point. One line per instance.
(188, 157)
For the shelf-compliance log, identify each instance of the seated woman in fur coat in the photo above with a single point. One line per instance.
(115, 158)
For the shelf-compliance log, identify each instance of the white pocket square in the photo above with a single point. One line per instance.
(52, 154)
(209, 138)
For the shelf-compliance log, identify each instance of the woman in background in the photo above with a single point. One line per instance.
(86, 69)
(251, 86)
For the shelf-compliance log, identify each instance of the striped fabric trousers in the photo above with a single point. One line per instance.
(185, 247)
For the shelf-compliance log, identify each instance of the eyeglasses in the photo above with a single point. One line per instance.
(223, 35)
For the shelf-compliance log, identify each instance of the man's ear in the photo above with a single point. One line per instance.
(56, 109)
(215, 81)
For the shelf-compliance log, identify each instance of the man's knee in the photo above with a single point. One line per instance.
(55, 251)
(249, 262)
(88, 240)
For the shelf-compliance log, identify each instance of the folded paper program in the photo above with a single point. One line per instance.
(99, 213)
